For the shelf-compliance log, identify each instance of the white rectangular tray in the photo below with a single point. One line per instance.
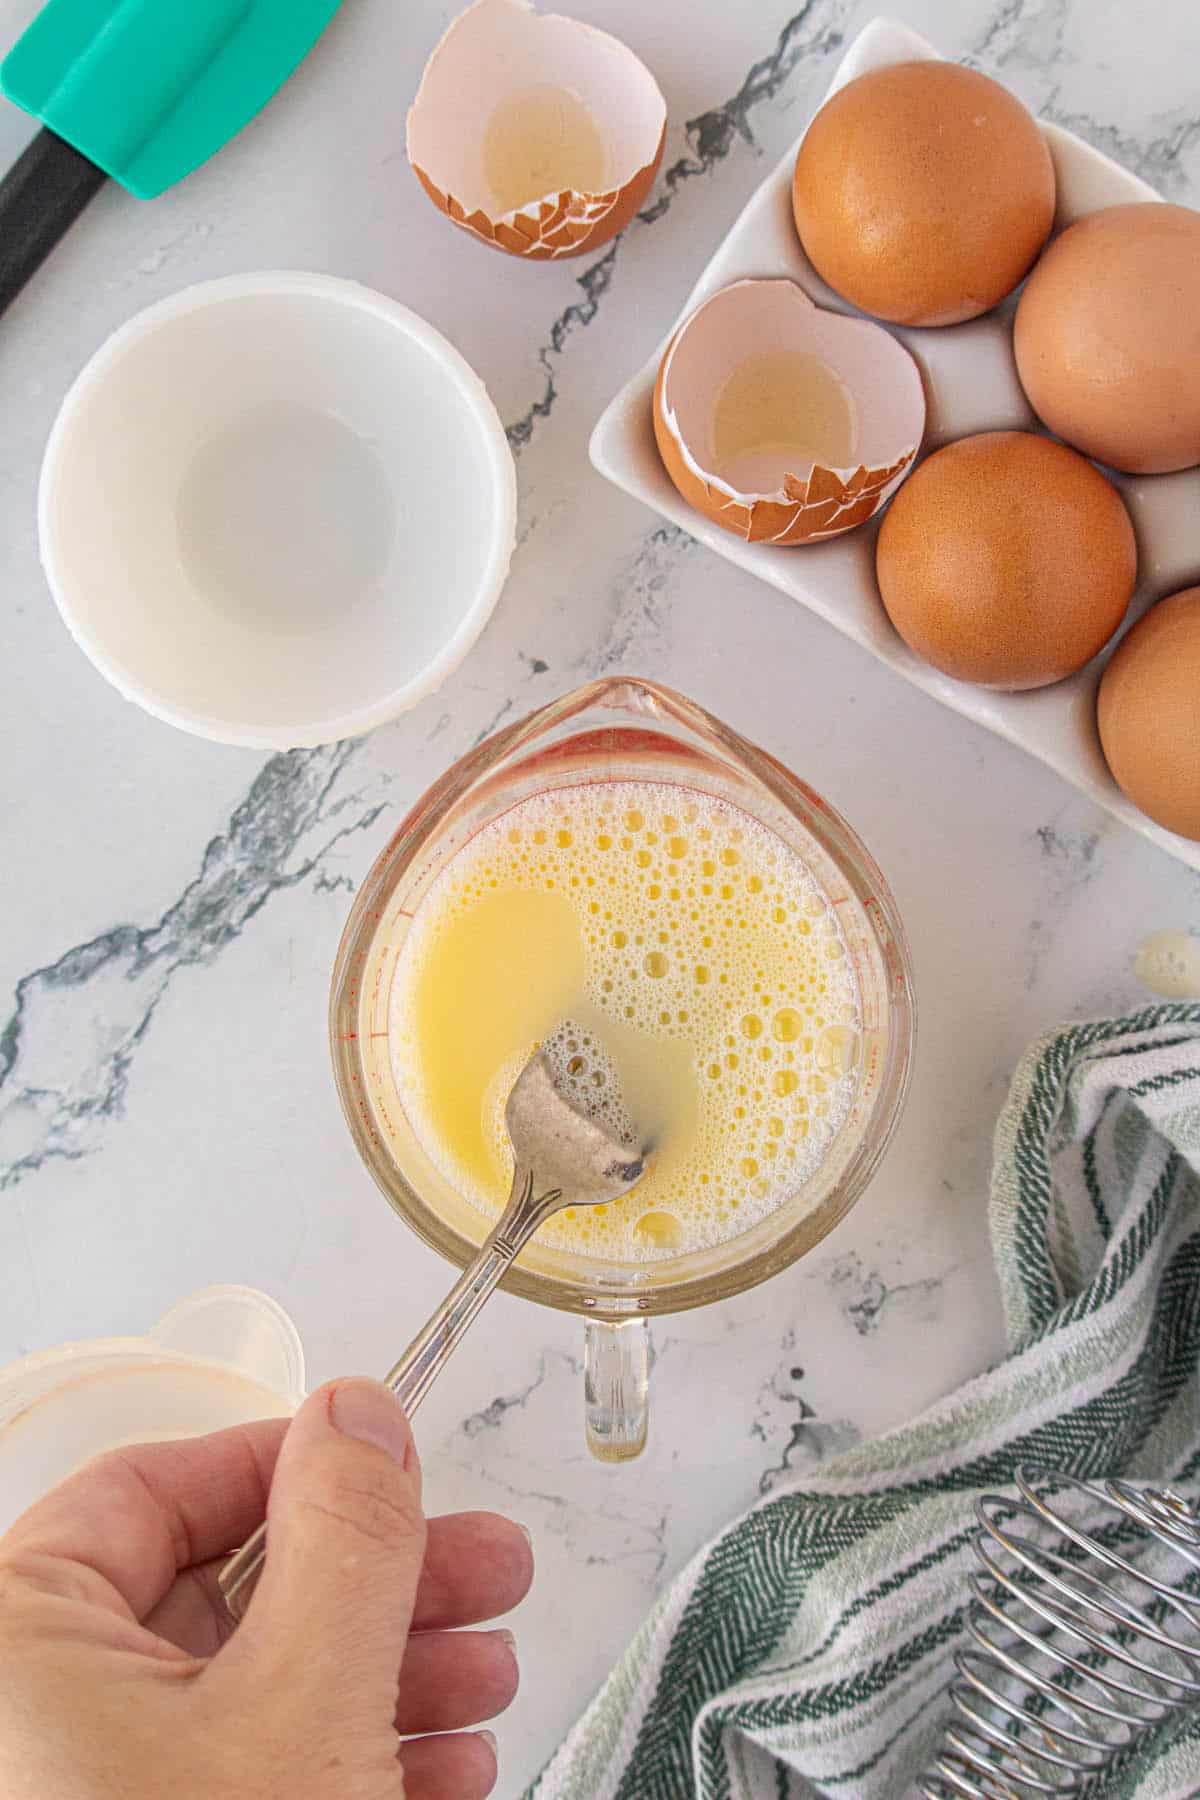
(971, 385)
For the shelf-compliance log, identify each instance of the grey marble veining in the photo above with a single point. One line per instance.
(56, 1105)
(171, 909)
(791, 1428)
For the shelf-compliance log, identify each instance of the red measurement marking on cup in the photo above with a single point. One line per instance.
(344, 1037)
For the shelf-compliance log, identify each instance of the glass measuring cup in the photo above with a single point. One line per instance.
(620, 729)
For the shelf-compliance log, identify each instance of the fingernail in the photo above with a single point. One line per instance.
(368, 1411)
(526, 1530)
(508, 1640)
(489, 1738)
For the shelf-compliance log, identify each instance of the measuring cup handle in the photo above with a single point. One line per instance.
(616, 1387)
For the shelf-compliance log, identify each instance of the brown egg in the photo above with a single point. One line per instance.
(1006, 560)
(923, 192)
(1107, 337)
(1149, 713)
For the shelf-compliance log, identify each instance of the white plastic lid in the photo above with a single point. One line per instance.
(222, 1357)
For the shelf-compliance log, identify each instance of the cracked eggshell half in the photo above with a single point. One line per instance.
(536, 133)
(782, 422)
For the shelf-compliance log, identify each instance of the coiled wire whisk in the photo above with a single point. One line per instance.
(1085, 1629)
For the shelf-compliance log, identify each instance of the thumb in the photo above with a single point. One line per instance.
(345, 1545)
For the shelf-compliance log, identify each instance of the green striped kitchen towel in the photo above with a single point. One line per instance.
(808, 1649)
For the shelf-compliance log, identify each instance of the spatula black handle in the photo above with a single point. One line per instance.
(40, 199)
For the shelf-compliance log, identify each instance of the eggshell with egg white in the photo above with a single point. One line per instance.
(500, 52)
(807, 500)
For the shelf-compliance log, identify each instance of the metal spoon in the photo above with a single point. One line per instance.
(563, 1158)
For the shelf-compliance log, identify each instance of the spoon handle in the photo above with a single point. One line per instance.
(411, 1378)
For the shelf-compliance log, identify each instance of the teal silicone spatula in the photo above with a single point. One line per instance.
(143, 91)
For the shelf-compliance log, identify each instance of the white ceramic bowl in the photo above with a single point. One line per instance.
(277, 509)
(971, 385)
(221, 1357)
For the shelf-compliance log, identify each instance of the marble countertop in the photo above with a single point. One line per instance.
(170, 909)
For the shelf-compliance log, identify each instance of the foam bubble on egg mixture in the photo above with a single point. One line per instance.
(687, 976)
(587, 1078)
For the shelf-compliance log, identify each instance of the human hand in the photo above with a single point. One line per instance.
(122, 1678)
